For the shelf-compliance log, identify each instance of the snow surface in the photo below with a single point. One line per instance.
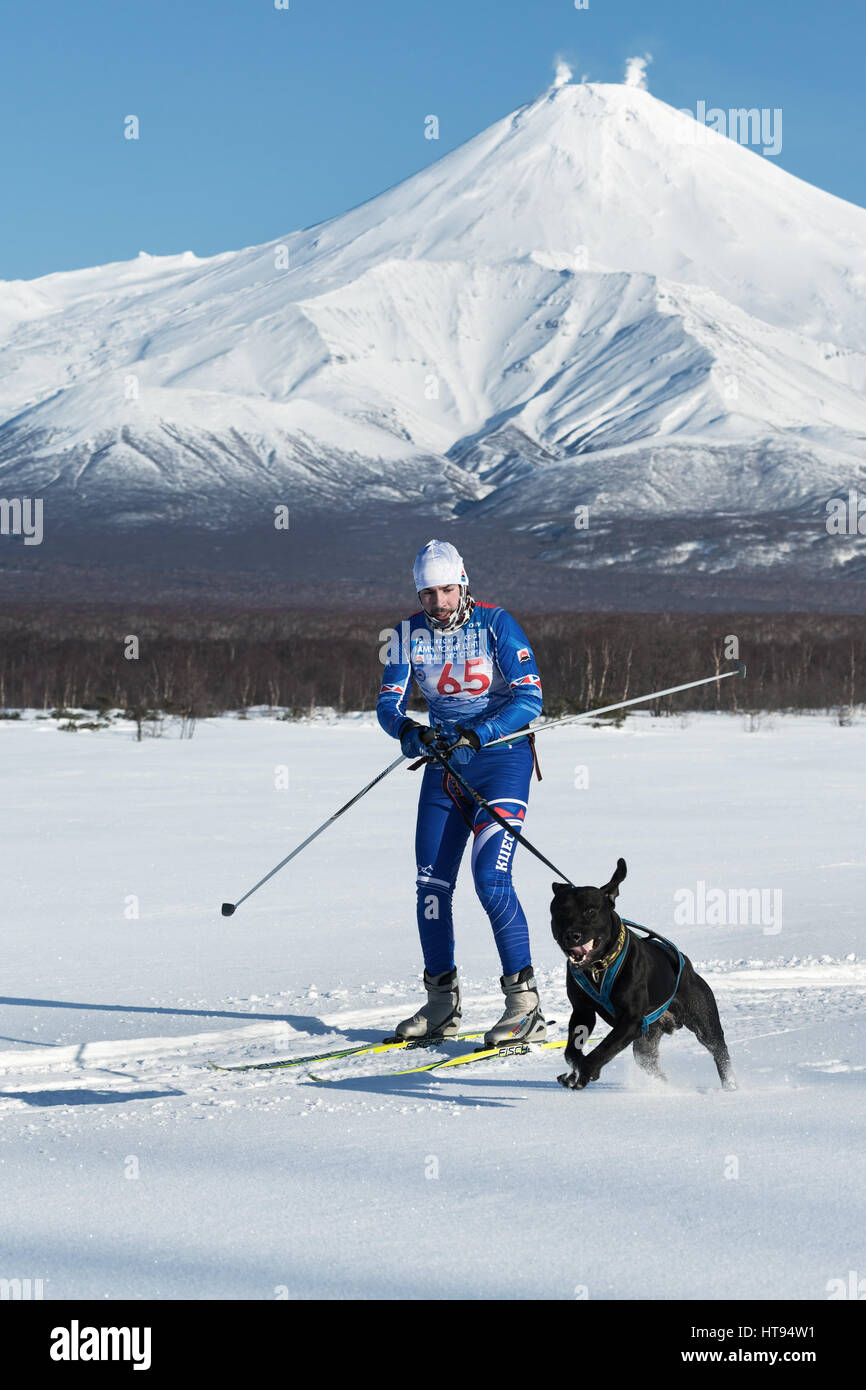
(129, 1169)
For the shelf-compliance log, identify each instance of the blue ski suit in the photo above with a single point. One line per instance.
(483, 676)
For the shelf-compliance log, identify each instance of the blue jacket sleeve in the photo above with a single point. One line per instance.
(516, 661)
(393, 693)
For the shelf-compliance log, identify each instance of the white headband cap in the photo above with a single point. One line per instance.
(438, 564)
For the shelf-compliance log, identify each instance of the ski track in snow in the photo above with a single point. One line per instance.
(76, 1118)
(774, 1000)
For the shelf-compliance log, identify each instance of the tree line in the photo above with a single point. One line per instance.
(195, 665)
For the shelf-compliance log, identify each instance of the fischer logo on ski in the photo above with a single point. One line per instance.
(485, 1054)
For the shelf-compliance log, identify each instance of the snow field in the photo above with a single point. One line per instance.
(129, 1169)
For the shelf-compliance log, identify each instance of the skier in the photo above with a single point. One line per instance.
(476, 670)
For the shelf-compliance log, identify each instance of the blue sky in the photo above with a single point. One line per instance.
(255, 121)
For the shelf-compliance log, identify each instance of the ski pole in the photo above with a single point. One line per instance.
(739, 670)
(485, 806)
(229, 908)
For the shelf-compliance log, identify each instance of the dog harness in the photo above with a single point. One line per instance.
(604, 974)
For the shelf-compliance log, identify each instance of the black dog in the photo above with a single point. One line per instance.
(642, 988)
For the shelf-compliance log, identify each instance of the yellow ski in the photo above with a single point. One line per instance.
(515, 1049)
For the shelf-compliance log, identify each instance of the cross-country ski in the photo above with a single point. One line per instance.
(362, 1050)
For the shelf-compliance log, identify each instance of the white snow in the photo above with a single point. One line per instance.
(130, 1170)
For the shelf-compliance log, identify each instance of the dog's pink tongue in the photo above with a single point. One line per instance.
(580, 953)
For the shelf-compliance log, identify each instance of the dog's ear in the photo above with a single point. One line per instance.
(611, 890)
(558, 888)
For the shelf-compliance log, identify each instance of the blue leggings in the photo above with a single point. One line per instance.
(502, 776)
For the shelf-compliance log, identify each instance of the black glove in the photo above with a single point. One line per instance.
(413, 737)
(468, 739)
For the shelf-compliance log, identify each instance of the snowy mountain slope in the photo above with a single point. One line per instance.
(583, 277)
(611, 174)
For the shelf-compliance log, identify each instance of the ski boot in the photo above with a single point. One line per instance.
(440, 1016)
(523, 1020)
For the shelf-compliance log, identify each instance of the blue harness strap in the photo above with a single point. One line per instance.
(600, 995)
(601, 992)
(676, 959)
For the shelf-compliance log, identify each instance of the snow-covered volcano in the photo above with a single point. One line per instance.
(595, 301)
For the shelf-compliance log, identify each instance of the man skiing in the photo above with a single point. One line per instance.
(475, 668)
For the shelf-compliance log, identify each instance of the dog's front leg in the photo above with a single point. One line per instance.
(624, 1032)
(580, 1028)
